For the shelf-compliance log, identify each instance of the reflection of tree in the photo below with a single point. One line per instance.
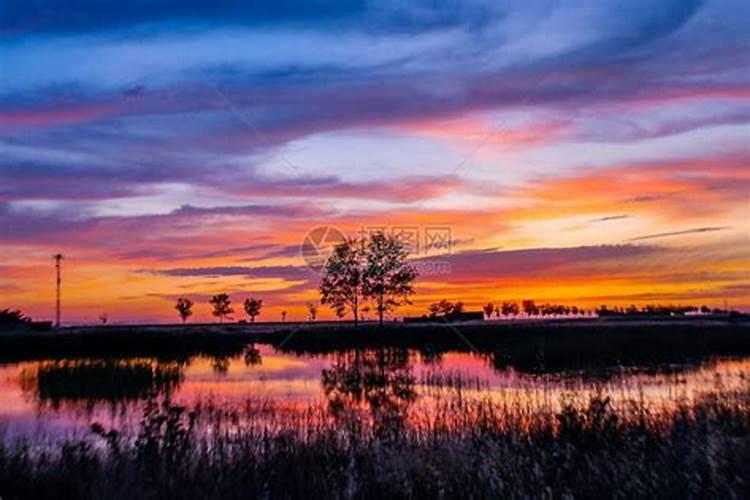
(379, 380)
(220, 365)
(252, 356)
(96, 381)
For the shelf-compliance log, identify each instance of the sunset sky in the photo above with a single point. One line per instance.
(587, 155)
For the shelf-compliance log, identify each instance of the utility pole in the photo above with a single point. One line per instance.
(58, 257)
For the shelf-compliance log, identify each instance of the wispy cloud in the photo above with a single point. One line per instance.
(610, 218)
(697, 230)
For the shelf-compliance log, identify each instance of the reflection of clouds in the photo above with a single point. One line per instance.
(393, 387)
(272, 367)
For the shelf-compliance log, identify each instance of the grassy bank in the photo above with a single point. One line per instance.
(465, 448)
(169, 343)
(528, 345)
(549, 345)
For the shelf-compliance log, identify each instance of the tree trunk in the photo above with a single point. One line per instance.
(355, 311)
(380, 309)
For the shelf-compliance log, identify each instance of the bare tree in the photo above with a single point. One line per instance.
(389, 279)
(252, 307)
(342, 285)
(222, 306)
(184, 308)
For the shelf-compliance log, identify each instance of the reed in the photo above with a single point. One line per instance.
(461, 447)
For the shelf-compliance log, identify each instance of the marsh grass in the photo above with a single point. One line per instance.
(460, 447)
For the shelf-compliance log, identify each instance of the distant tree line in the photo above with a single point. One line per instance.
(348, 295)
(530, 308)
(658, 310)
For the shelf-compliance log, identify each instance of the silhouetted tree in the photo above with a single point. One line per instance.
(283, 316)
(342, 285)
(222, 306)
(509, 308)
(530, 308)
(103, 318)
(442, 308)
(388, 279)
(312, 311)
(184, 308)
(489, 308)
(13, 318)
(252, 307)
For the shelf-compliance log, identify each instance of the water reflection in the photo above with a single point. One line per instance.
(54, 383)
(252, 356)
(85, 383)
(379, 381)
(383, 389)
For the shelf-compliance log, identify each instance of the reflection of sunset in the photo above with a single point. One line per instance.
(295, 384)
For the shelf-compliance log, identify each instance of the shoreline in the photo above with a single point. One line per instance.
(555, 340)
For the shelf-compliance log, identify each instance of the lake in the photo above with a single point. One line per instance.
(52, 399)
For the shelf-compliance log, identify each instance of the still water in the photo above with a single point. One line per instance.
(46, 400)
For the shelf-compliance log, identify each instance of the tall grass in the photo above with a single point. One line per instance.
(461, 447)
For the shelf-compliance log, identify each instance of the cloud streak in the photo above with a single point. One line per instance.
(697, 230)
